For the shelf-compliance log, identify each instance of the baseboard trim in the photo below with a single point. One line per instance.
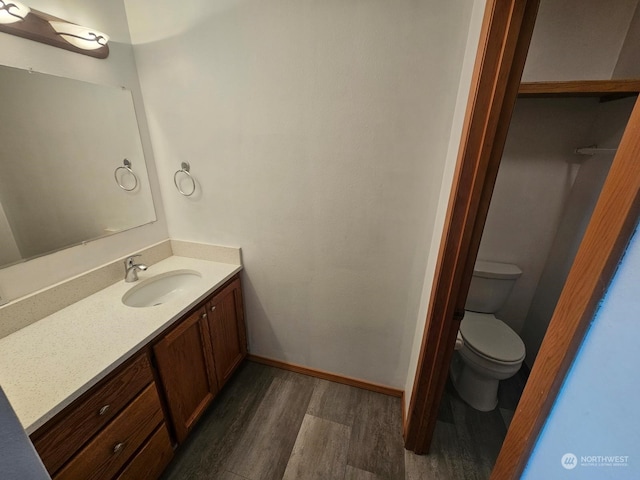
(312, 372)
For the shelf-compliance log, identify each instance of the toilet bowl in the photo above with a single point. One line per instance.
(488, 351)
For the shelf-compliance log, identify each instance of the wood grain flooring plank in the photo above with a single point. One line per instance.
(202, 456)
(376, 444)
(304, 380)
(230, 476)
(480, 434)
(268, 422)
(354, 473)
(263, 451)
(320, 451)
(450, 458)
(335, 402)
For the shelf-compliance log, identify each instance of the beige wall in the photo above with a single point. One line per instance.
(9, 252)
(605, 131)
(536, 175)
(318, 132)
(578, 39)
(118, 70)
(628, 65)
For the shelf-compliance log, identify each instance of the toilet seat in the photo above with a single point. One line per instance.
(491, 338)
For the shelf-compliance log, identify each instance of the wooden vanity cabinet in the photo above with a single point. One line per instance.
(117, 430)
(200, 354)
(106, 429)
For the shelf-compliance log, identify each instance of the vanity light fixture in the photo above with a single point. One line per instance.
(18, 19)
(12, 12)
(79, 36)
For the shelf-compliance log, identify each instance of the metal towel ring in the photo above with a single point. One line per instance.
(127, 167)
(185, 169)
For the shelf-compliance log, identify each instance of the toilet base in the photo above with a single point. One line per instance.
(479, 391)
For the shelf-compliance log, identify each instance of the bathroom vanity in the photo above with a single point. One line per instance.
(200, 354)
(112, 393)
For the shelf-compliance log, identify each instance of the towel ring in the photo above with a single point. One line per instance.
(185, 167)
(127, 167)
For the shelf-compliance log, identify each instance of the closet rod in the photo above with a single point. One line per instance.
(593, 150)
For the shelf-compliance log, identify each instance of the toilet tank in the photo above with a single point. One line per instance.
(491, 285)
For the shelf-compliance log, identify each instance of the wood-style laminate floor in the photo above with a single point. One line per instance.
(271, 424)
(466, 442)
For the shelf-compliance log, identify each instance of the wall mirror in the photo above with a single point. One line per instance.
(61, 141)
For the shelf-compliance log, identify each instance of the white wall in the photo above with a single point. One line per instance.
(628, 65)
(596, 411)
(9, 252)
(318, 133)
(578, 39)
(536, 174)
(606, 132)
(118, 70)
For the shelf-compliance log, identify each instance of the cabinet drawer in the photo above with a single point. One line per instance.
(91, 413)
(117, 442)
(151, 460)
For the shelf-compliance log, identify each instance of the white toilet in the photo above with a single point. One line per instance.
(488, 350)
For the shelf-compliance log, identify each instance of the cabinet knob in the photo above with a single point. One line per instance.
(118, 447)
(213, 308)
(104, 410)
(204, 315)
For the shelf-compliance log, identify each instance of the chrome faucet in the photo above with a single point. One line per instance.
(131, 269)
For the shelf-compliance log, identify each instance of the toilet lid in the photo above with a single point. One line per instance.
(491, 337)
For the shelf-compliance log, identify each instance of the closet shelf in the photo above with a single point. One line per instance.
(605, 89)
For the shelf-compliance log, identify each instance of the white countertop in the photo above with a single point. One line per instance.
(47, 365)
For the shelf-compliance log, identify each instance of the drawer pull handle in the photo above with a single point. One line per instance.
(104, 410)
(118, 447)
(213, 308)
(204, 315)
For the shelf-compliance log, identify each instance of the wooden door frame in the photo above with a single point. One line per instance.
(504, 42)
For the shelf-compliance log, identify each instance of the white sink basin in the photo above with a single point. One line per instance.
(161, 288)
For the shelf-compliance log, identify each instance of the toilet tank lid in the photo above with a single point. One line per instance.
(504, 271)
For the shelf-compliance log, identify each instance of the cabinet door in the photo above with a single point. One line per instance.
(185, 367)
(226, 326)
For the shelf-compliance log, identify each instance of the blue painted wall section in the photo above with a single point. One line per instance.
(593, 431)
(18, 458)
